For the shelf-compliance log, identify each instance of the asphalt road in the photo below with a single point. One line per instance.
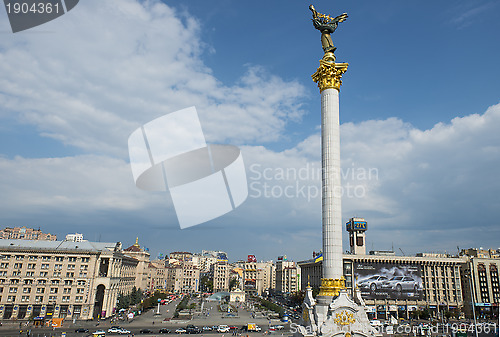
(150, 320)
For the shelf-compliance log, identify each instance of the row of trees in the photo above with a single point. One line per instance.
(125, 301)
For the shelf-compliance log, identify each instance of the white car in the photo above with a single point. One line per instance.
(180, 330)
(223, 328)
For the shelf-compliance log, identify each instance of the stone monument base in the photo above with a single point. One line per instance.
(334, 317)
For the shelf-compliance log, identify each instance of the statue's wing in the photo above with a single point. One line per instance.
(341, 17)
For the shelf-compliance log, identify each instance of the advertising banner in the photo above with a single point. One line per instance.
(388, 281)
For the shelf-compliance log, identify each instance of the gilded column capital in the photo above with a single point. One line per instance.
(331, 287)
(329, 75)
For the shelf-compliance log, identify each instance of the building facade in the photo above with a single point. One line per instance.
(25, 233)
(183, 278)
(287, 277)
(142, 256)
(258, 277)
(62, 279)
(480, 280)
(221, 276)
(396, 285)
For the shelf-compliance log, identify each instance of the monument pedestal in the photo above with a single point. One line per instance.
(334, 317)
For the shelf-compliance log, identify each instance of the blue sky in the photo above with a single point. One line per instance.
(419, 110)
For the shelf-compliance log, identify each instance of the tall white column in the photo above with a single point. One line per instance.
(331, 185)
(328, 76)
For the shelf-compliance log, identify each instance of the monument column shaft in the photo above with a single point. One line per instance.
(331, 185)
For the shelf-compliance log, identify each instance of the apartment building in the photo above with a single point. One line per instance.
(62, 279)
(25, 233)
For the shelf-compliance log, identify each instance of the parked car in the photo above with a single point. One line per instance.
(193, 330)
(81, 330)
(180, 330)
(164, 330)
(207, 328)
(146, 331)
(99, 333)
(223, 328)
(114, 329)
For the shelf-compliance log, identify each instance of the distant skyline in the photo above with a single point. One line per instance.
(419, 110)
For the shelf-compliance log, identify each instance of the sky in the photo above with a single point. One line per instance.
(419, 113)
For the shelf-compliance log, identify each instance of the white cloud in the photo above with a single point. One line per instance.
(432, 189)
(104, 69)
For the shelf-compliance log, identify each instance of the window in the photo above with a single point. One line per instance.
(80, 290)
(68, 282)
(72, 259)
(57, 274)
(70, 274)
(55, 281)
(42, 281)
(57, 266)
(40, 290)
(25, 298)
(19, 257)
(18, 265)
(13, 290)
(84, 267)
(53, 298)
(30, 273)
(80, 282)
(14, 281)
(82, 274)
(26, 290)
(65, 298)
(31, 265)
(43, 274)
(71, 266)
(53, 290)
(85, 259)
(79, 299)
(33, 258)
(28, 281)
(45, 266)
(38, 299)
(67, 290)
(59, 258)
(11, 298)
(45, 258)
(4, 265)
(16, 273)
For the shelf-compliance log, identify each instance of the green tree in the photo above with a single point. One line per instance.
(206, 284)
(233, 283)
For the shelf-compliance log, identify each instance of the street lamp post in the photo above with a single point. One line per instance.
(472, 301)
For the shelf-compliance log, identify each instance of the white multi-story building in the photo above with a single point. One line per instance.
(221, 272)
(57, 279)
(183, 278)
(287, 276)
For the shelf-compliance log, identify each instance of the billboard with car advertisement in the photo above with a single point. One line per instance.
(389, 281)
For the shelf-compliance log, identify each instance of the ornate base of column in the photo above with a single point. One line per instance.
(343, 317)
(331, 287)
